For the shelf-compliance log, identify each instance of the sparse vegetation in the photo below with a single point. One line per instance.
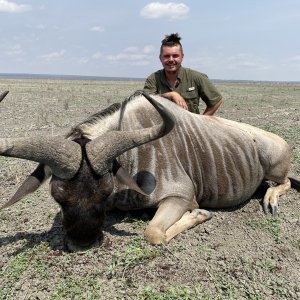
(297, 157)
(174, 293)
(33, 260)
(297, 244)
(272, 225)
(136, 252)
(77, 288)
(3, 160)
(238, 254)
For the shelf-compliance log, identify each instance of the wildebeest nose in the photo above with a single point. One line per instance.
(70, 246)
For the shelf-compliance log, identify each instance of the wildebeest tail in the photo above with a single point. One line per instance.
(295, 183)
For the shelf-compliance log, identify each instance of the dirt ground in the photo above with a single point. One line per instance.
(238, 254)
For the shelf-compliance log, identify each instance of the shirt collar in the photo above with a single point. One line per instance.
(179, 77)
(180, 74)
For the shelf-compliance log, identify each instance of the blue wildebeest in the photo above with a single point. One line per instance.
(120, 158)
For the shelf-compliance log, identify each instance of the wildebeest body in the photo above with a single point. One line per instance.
(214, 159)
(204, 162)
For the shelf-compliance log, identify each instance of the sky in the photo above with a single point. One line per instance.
(225, 39)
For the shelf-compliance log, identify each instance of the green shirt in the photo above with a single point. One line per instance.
(192, 86)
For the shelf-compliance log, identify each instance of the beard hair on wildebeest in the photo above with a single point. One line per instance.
(125, 157)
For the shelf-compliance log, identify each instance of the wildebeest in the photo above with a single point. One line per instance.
(120, 158)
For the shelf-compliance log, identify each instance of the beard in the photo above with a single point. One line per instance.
(172, 68)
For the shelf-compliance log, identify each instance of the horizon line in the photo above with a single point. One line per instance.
(98, 77)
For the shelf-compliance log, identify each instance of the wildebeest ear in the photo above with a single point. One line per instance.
(31, 184)
(124, 177)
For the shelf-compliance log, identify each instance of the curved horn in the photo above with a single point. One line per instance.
(102, 150)
(61, 155)
(3, 95)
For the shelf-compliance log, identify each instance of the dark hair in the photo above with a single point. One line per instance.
(171, 40)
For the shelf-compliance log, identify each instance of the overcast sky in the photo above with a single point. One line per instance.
(226, 39)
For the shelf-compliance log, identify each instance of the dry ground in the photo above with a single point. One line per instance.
(238, 254)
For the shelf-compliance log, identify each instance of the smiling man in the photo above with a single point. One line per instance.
(181, 85)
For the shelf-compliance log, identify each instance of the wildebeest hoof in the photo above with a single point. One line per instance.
(273, 209)
(270, 203)
(202, 212)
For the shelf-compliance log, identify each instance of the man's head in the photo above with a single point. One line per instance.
(171, 40)
(171, 53)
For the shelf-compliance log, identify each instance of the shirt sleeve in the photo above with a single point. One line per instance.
(207, 90)
(150, 85)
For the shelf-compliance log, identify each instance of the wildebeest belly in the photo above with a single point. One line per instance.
(231, 180)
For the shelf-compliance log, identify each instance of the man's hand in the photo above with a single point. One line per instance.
(177, 98)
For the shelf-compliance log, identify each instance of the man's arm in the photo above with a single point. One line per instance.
(150, 85)
(177, 98)
(207, 92)
(209, 111)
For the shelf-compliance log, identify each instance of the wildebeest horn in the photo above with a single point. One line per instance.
(61, 155)
(3, 95)
(102, 150)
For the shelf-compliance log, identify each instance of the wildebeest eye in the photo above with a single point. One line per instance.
(106, 185)
(58, 190)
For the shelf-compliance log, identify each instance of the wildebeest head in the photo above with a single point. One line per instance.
(82, 200)
(81, 173)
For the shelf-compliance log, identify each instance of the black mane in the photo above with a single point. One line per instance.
(106, 112)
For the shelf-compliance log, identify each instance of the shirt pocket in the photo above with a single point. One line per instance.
(192, 99)
(190, 94)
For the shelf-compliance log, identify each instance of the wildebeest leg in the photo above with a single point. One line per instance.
(278, 168)
(188, 220)
(272, 196)
(168, 213)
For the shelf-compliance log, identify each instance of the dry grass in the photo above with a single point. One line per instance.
(239, 254)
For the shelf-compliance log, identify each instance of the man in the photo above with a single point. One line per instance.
(182, 85)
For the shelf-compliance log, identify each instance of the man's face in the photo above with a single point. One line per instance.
(171, 58)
